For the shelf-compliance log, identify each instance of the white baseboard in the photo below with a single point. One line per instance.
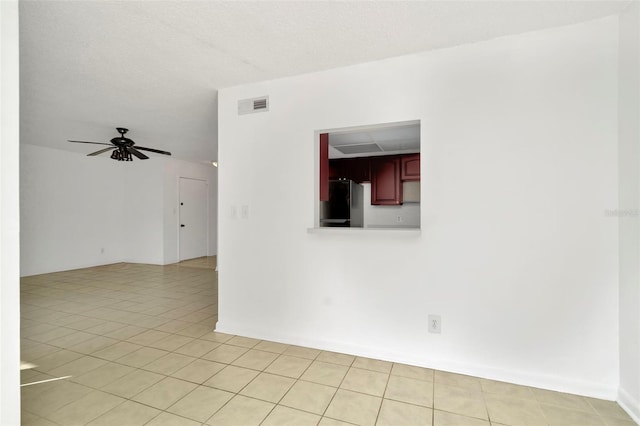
(629, 404)
(555, 383)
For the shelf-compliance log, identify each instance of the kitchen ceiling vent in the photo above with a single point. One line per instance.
(363, 148)
(251, 105)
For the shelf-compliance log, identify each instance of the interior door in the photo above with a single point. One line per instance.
(193, 218)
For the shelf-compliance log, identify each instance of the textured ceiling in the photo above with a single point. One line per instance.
(155, 66)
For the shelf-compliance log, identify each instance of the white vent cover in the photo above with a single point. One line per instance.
(362, 148)
(251, 105)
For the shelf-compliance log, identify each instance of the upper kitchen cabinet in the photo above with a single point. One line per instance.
(356, 169)
(386, 185)
(410, 167)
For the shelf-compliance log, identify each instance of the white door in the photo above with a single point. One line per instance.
(193, 218)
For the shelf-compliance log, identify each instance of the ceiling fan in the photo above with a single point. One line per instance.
(123, 147)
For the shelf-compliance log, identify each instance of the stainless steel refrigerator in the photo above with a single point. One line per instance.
(345, 206)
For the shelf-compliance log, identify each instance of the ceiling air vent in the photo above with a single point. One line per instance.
(251, 105)
(363, 148)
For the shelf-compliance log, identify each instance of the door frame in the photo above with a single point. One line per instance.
(206, 183)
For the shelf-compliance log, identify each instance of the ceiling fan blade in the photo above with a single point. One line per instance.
(136, 153)
(95, 143)
(101, 151)
(153, 150)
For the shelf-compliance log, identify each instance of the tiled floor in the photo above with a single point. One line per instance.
(134, 345)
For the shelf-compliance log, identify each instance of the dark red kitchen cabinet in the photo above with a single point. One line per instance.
(386, 185)
(410, 169)
(356, 169)
(324, 167)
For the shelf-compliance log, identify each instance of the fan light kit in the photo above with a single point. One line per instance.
(123, 147)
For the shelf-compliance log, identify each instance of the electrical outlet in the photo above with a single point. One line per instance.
(102, 250)
(234, 212)
(435, 324)
(399, 219)
(244, 212)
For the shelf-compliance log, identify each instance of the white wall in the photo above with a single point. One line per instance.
(173, 170)
(71, 207)
(629, 226)
(519, 163)
(9, 216)
(143, 215)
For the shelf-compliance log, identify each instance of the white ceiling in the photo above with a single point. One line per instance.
(387, 139)
(155, 66)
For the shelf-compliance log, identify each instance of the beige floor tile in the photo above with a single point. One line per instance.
(325, 373)
(365, 381)
(412, 372)
(147, 337)
(105, 327)
(255, 360)
(43, 399)
(35, 350)
(85, 409)
(197, 348)
(245, 342)
(32, 376)
(241, 411)
(394, 413)
(441, 418)
(336, 358)
(201, 403)
(225, 354)
(307, 396)
(302, 352)
(232, 378)
(274, 347)
(173, 326)
(93, 345)
(620, 422)
(559, 416)
(164, 393)
(116, 351)
(459, 380)
(354, 407)
(72, 339)
(514, 411)
(268, 387)
(194, 330)
(171, 342)
(217, 337)
(413, 391)
(128, 413)
(133, 383)
(608, 409)
(103, 375)
(289, 366)
(78, 366)
(168, 419)
(373, 364)
(564, 400)
(52, 334)
(141, 357)
(284, 416)
(169, 364)
(502, 388)
(460, 400)
(125, 332)
(40, 421)
(326, 421)
(50, 362)
(198, 371)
